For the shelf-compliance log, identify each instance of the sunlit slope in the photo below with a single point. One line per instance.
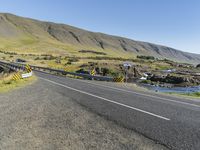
(25, 35)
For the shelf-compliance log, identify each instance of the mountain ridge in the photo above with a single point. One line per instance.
(27, 32)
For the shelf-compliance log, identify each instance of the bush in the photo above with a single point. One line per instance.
(146, 81)
(105, 71)
(10, 53)
(58, 60)
(82, 71)
(197, 94)
(146, 57)
(114, 73)
(37, 58)
(74, 59)
(93, 52)
(49, 57)
(68, 63)
(71, 60)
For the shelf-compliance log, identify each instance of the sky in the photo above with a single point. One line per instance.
(174, 23)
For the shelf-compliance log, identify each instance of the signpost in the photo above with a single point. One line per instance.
(28, 68)
(127, 66)
(93, 72)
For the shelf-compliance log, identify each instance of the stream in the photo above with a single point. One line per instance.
(191, 89)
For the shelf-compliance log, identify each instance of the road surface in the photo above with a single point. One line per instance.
(40, 117)
(46, 116)
(174, 122)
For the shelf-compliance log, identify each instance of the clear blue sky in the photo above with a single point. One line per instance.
(174, 23)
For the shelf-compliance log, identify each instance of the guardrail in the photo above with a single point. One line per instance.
(11, 66)
(18, 66)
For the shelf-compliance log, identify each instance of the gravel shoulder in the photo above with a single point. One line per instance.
(36, 117)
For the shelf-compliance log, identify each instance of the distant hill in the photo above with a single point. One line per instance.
(18, 33)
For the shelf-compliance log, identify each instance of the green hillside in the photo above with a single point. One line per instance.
(28, 36)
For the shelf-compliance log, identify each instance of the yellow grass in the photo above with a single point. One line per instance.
(7, 84)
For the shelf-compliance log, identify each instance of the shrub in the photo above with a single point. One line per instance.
(197, 94)
(82, 71)
(146, 81)
(146, 57)
(93, 52)
(68, 63)
(58, 60)
(49, 57)
(105, 71)
(37, 58)
(71, 60)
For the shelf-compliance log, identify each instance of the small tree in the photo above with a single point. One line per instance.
(198, 66)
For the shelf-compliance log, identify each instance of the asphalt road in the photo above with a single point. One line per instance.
(41, 116)
(171, 121)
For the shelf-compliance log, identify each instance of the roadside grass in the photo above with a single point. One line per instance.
(186, 95)
(158, 65)
(73, 76)
(195, 94)
(7, 84)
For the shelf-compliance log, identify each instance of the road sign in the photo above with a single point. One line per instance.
(127, 64)
(16, 76)
(92, 72)
(118, 79)
(28, 68)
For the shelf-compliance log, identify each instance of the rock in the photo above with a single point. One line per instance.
(189, 80)
(134, 74)
(175, 79)
(137, 73)
(156, 78)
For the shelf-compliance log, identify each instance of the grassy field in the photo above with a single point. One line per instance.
(66, 61)
(7, 84)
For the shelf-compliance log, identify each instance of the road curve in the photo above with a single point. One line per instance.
(173, 122)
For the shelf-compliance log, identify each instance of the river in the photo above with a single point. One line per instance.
(174, 89)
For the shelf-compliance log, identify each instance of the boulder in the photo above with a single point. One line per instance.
(190, 80)
(157, 78)
(175, 79)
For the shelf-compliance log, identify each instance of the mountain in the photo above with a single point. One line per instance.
(33, 36)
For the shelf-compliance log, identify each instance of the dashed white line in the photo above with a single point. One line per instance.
(108, 100)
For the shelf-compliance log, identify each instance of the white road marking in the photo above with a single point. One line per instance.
(146, 95)
(108, 100)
